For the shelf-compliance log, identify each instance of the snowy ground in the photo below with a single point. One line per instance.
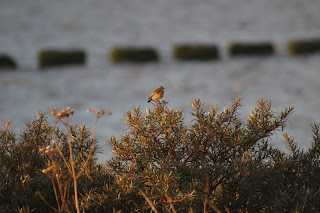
(97, 25)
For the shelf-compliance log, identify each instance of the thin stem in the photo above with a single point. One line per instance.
(74, 176)
(63, 198)
(207, 191)
(64, 159)
(48, 204)
(60, 151)
(55, 192)
(149, 201)
(214, 207)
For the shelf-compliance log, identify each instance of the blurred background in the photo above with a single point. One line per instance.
(96, 26)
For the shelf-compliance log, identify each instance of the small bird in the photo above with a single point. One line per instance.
(157, 94)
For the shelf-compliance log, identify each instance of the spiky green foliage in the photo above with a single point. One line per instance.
(215, 163)
(22, 165)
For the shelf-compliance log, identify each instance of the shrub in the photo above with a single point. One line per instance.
(198, 52)
(133, 55)
(36, 172)
(54, 58)
(7, 62)
(301, 47)
(21, 165)
(181, 167)
(250, 49)
(217, 163)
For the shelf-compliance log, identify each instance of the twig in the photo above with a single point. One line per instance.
(149, 201)
(74, 176)
(214, 207)
(44, 200)
(55, 192)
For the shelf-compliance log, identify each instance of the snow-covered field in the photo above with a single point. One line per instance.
(97, 25)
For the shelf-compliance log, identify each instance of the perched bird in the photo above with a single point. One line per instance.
(157, 94)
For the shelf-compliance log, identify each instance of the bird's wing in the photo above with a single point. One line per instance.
(158, 90)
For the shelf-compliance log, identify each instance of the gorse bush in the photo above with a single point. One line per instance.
(21, 165)
(182, 167)
(35, 169)
(216, 163)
